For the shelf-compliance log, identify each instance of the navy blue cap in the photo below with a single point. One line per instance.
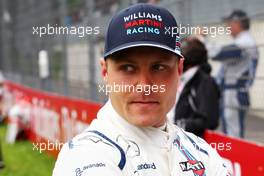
(142, 25)
(236, 15)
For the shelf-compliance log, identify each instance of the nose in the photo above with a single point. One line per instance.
(145, 78)
(144, 82)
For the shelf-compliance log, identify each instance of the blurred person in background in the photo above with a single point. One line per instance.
(18, 118)
(197, 100)
(239, 62)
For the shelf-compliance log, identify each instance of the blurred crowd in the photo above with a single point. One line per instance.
(200, 101)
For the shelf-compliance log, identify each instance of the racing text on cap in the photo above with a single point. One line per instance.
(143, 22)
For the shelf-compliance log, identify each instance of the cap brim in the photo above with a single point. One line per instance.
(142, 43)
(227, 18)
(230, 18)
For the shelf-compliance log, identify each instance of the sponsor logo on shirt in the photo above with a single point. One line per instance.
(79, 171)
(196, 166)
(146, 166)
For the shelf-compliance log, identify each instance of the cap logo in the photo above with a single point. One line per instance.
(143, 22)
(142, 15)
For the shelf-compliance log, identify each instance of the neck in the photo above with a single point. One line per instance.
(163, 127)
(161, 124)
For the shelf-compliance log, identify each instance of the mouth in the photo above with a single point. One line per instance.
(144, 103)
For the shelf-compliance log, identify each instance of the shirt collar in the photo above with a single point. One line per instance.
(157, 136)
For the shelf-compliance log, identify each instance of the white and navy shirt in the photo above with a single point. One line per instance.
(239, 59)
(111, 146)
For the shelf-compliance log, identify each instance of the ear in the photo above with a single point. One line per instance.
(103, 67)
(180, 66)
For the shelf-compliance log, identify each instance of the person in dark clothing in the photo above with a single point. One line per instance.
(197, 104)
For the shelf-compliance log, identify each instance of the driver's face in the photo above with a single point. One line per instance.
(151, 77)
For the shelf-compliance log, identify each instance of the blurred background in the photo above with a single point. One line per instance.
(72, 62)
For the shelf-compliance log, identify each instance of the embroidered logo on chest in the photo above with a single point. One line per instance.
(196, 166)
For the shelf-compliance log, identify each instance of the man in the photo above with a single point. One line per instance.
(239, 61)
(130, 135)
(197, 105)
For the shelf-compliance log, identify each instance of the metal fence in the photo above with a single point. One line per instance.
(74, 59)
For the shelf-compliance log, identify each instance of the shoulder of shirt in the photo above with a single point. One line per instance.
(89, 143)
(245, 40)
(210, 155)
(89, 139)
(198, 143)
(191, 137)
(87, 148)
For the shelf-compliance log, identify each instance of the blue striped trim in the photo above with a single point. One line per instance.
(196, 146)
(70, 144)
(122, 161)
(242, 82)
(252, 70)
(184, 151)
(229, 52)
